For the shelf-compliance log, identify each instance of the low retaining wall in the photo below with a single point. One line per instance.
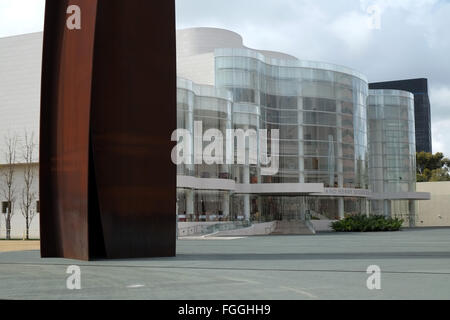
(322, 225)
(186, 229)
(257, 229)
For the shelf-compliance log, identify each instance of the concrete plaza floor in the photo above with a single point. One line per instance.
(415, 264)
(17, 245)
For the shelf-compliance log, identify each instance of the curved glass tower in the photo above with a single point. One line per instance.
(320, 110)
(392, 147)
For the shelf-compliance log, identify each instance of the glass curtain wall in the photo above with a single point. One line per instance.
(392, 146)
(212, 108)
(320, 111)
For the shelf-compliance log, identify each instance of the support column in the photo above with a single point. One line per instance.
(247, 207)
(387, 208)
(340, 163)
(301, 143)
(412, 213)
(341, 208)
(367, 207)
(246, 179)
(190, 202)
(226, 205)
(247, 196)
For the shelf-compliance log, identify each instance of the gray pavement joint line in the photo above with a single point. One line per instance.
(223, 269)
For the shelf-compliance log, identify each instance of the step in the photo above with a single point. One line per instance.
(292, 228)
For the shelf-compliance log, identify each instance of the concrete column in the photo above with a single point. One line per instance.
(247, 196)
(387, 208)
(258, 103)
(301, 143)
(190, 202)
(412, 213)
(189, 121)
(339, 153)
(246, 174)
(367, 207)
(229, 146)
(341, 208)
(247, 207)
(226, 204)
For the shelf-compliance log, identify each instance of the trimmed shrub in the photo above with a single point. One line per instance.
(362, 223)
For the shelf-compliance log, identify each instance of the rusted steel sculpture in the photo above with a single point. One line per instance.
(108, 108)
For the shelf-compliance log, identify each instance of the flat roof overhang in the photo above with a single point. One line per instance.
(292, 189)
(188, 182)
(401, 196)
(280, 188)
(344, 192)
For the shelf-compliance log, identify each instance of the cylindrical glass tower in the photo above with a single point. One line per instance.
(392, 146)
(212, 108)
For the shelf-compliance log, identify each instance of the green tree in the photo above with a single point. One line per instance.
(432, 167)
(440, 175)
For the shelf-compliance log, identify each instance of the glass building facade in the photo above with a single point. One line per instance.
(213, 108)
(392, 146)
(422, 108)
(319, 109)
(331, 133)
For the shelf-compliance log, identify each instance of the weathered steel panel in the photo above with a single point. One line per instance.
(134, 114)
(65, 113)
(107, 185)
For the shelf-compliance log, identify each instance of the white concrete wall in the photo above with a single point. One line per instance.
(20, 85)
(18, 221)
(199, 69)
(196, 41)
(434, 212)
(195, 52)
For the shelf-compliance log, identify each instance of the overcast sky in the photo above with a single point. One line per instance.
(411, 40)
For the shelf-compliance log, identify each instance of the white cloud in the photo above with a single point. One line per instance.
(440, 101)
(353, 29)
(440, 98)
(441, 137)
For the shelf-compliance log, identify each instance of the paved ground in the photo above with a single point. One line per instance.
(8, 246)
(415, 264)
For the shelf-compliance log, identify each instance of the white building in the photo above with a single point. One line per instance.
(20, 78)
(320, 109)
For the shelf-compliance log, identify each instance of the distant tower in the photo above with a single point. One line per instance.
(422, 108)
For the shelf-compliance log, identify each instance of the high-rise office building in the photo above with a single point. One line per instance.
(422, 107)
